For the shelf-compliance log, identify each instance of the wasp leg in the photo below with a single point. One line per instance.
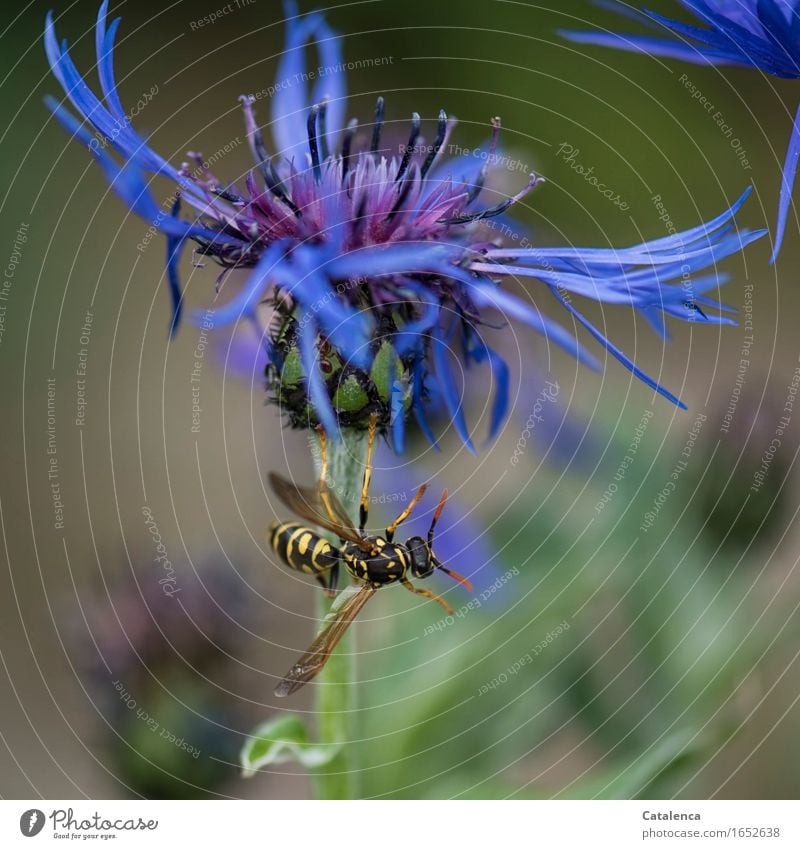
(428, 594)
(405, 514)
(323, 476)
(364, 507)
(323, 450)
(329, 581)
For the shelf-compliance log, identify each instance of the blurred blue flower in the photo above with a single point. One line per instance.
(762, 34)
(360, 245)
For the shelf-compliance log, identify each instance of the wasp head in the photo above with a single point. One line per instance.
(422, 558)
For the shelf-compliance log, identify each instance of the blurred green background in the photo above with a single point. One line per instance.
(676, 673)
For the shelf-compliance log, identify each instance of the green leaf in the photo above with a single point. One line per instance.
(283, 740)
(652, 775)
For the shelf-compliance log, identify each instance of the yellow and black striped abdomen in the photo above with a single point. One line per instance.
(301, 548)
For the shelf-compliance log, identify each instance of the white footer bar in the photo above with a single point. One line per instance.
(400, 825)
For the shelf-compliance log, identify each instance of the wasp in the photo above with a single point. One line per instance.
(371, 561)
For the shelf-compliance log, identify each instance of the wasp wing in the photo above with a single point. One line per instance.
(342, 613)
(321, 508)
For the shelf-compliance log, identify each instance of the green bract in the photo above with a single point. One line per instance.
(355, 394)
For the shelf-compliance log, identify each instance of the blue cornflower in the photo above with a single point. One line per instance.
(377, 264)
(763, 34)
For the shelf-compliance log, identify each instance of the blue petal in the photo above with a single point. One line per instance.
(652, 46)
(496, 298)
(729, 37)
(418, 401)
(104, 43)
(483, 353)
(705, 318)
(315, 385)
(643, 252)
(655, 319)
(615, 352)
(787, 184)
(244, 354)
(113, 126)
(776, 27)
(640, 275)
(406, 258)
(117, 131)
(408, 338)
(291, 100)
(244, 304)
(619, 8)
(349, 331)
(289, 103)
(437, 258)
(127, 181)
(332, 84)
(347, 327)
(450, 394)
(735, 35)
(636, 287)
(718, 35)
(725, 15)
(397, 412)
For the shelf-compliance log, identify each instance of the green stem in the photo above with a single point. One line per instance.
(335, 694)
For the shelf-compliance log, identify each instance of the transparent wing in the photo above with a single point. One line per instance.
(344, 610)
(320, 508)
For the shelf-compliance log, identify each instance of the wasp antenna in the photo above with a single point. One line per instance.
(465, 582)
(436, 516)
(440, 506)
